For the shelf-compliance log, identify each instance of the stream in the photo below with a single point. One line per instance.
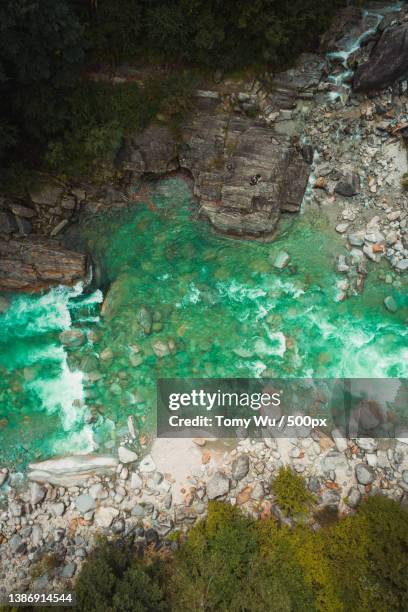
(180, 300)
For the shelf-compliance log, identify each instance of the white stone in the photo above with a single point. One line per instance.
(147, 465)
(126, 455)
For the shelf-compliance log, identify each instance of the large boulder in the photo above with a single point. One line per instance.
(245, 172)
(387, 63)
(73, 470)
(34, 264)
(8, 224)
(45, 191)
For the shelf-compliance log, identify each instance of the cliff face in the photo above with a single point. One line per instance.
(35, 264)
(244, 172)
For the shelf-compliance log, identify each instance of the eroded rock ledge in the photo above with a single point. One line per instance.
(33, 264)
(245, 174)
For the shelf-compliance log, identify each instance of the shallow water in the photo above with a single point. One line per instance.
(222, 302)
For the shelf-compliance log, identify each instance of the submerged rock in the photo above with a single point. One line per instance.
(390, 304)
(72, 338)
(281, 260)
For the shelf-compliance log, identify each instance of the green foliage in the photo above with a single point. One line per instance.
(115, 579)
(42, 49)
(229, 562)
(222, 566)
(292, 495)
(404, 180)
(231, 33)
(99, 114)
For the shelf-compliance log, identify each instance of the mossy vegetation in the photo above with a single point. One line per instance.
(291, 493)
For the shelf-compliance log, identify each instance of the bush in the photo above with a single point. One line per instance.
(224, 566)
(42, 50)
(115, 579)
(101, 113)
(291, 493)
(209, 33)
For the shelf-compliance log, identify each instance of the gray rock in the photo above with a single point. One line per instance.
(258, 492)
(135, 481)
(218, 486)
(36, 535)
(145, 319)
(15, 508)
(46, 192)
(240, 467)
(356, 239)
(24, 226)
(126, 455)
(369, 445)
(161, 348)
(353, 498)
(339, 439)
(105, 515)
(388, 61)
(59, 227)
(405, 476)
(85, 503)
(3, 473)
(402, 265)
(72, 338)
(118, 526)
(390, 304)
(138, 511)
(17, 545)
(243, 177)
(68, 571)
(365, 474)
(282, 260)
(96, 490)
(58, 508)
(349, 185)
(23, 211)
(41, 584)
(37, 493)
(147, 465)
(8, 224)
(333, 460)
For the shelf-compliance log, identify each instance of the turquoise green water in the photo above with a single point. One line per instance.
(217, 302)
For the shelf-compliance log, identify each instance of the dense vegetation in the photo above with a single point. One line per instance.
(230, 563)
(48, 45)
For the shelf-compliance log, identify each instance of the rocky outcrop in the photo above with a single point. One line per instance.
(30, 264)
(245, 174)
(71, 471)
(387, 63)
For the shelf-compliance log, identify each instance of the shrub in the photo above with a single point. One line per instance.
(224, 566)
(115, 579)
(292, 495)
